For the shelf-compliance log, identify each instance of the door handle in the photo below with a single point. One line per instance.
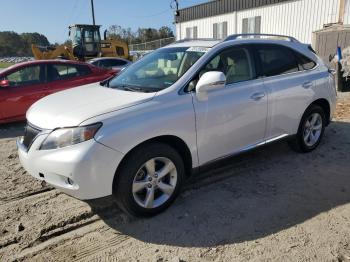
(307, 84)
(257, 96)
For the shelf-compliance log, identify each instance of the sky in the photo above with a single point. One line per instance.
(52, 17)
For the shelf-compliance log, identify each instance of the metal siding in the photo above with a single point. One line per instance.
(347, 12)
(219, 7)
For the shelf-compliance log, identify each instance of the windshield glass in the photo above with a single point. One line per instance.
(157, 70)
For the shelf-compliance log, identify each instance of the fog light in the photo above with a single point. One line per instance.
(70, 181)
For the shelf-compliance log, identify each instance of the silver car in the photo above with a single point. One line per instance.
(139, 135)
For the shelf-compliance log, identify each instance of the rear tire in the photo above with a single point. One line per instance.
(149, 180)
(310, 131)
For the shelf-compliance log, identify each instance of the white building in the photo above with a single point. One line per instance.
(297, 18)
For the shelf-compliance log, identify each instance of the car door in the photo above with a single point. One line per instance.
(27, 85)
(289, 86)
(233, 118)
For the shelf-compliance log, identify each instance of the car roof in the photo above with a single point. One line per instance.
(194, 43)
(38, 62)
(210, 42)
(237, 40)
(103, 58)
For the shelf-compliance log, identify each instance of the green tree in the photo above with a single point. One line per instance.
(13, 44)
(33, 38)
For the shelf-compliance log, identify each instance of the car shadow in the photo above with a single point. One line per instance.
(251, 196)
(12, 130)
(243, 198)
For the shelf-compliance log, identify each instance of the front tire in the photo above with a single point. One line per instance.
(149, 180)
(311, 130)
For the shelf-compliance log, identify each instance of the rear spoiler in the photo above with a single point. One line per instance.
(311, 49)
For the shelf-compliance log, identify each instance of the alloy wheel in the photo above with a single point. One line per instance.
(155, 182)
(312, 129)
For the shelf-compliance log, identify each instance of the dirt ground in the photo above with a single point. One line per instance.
(268, 204)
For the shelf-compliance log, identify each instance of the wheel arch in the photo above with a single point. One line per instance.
(325, 105)
(175, 142)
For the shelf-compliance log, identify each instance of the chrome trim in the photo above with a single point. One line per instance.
(247, 148)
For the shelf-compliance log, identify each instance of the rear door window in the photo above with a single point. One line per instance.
(63, 72)
(83, 70)
(276, 60)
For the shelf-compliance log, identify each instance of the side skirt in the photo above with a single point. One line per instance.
(218, 162)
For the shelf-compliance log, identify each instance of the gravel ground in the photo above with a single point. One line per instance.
(268, 204)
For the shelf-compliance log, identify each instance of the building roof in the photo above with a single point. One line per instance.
(219, 7)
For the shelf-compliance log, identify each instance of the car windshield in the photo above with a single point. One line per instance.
(157, 70)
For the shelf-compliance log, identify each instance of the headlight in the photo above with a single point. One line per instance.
(63, 137)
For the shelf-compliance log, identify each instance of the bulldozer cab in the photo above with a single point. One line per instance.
(86, 40)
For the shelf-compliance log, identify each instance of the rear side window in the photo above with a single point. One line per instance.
(277, 60)
(305, 62)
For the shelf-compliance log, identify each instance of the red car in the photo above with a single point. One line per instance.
(23, 84)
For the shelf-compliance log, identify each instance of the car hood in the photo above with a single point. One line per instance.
(73, 106)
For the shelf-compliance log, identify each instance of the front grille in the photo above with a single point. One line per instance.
(30, 134)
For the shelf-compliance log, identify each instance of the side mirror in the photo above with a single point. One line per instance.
(4, 83)
(210, 81)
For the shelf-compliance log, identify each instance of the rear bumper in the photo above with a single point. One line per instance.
(85, 170)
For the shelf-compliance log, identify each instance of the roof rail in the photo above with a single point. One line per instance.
(235, 36)
(195, 39)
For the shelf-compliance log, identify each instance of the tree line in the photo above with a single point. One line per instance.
(141, 35)
(13, 44)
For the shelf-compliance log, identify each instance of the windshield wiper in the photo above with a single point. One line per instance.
(134, 88)
(106, 82)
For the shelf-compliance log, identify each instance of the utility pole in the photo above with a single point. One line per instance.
(174, 4)
(93, 12)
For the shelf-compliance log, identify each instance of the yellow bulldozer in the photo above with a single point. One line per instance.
(86, 44)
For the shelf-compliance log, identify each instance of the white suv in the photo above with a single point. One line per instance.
(139, 135)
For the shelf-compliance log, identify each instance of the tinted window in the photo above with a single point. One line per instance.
(109, 63)
(234, 63)
(26, 76)
(62, 71)
(115, 62)
(305, 62)
(83, 70)
(277, 60)
(120, 51)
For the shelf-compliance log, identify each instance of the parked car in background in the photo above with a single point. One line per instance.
(114, 63)
(23, 84)
(174, 111)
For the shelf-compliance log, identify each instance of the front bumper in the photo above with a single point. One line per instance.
(85, 170)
